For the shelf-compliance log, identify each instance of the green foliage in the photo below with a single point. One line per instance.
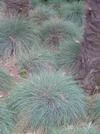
(68, 54)
(96, 109)
(77, 130)
(73, 11)
(42, 13)
(55, 30)
(36, 60)
(48, 100)
(16, 37)
(23, 73)
(7, 120)
(5, 81)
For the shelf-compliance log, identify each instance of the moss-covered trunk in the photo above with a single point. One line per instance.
(17, 7)
(88, 68)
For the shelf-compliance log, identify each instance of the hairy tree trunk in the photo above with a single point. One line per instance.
(17, 7)
(88, 68)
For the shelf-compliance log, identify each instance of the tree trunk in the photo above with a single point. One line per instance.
(17, 7)
(88, 68)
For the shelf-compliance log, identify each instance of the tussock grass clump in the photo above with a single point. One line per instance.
(5, 81)
(68, 54)
(1, 3)
(16, 37)
(77, 130)
(55, 30)
(47, 101)
(56, 3)
(96, 110)
(7, 120)
(73, 11)
(42, 13)
(36, 60)
(35, 3)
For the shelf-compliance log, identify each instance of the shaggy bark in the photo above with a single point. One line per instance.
(17, 7)
(88, 68)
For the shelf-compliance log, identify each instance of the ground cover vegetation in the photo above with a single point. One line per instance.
(54, 31)
(48, 100)
(44, 40)
(16, 36)
(42, 13)
(37, 60)
(5, 81)
(73, 11)
(68, 53)
(7, 120)
(77, 130)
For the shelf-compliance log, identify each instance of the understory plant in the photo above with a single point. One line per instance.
(77, 130)
(17, 36)
(42, 13)
(52, 32)
(36, 60)
(68, 54)
(73, 11)
(7, 121)
(46, 101)
(5, 81)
